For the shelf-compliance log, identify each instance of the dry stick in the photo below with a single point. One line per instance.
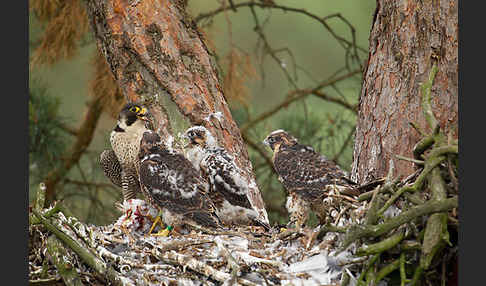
(329, 228)
(415, 161)
(47, 281)
(59, 257)
(373, 214)
(355, 231)
(388, 188)
(197, 266)
(175, 245)
(97, 264)
(294, 96)
(232, 263)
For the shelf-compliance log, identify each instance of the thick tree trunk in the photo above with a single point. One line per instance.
(154, 49)
(406, 39)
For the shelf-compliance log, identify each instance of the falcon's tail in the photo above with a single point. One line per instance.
(262, 223)
(206, 219)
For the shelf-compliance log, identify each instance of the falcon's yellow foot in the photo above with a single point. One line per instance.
(156, 221)
(164, 233)
(282, 229)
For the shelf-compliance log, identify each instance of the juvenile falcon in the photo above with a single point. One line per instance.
(312, 181)
(228, 186)
(172, 184)
(120, 164)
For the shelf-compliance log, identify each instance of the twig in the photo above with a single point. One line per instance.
(69, 129)
(416, 275)
(345, 144)
(340, 39)
(387, 270)
(47, 281)
(257, 148)
(426, 92)
(90, 259)
(292, 97)
(266, 46)
(326, 97)
(423, 145)
(60, 258)
(328, 228)
(429, 165)
(376, 201)
(90, 184)
(381, 246)
(436, 234)
(387, 188)
(403, 274)
(417, 162)
(356, 232)
(85, 135)
(197, 265)
(366, 268)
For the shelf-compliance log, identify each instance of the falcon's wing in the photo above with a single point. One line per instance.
(173, 183)
(125, 178)
(301, 168)
(111, 166)
(225, 178)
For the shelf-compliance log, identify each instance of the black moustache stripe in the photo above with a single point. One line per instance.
(119, 129)
(131, 119)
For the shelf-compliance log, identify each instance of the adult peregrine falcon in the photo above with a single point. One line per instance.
(120, 165)
(312, 181)
(172, 184)
(228, 186)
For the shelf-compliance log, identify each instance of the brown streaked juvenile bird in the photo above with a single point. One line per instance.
(228, 186)
(172, 184)
(120, 164)
(313, 182)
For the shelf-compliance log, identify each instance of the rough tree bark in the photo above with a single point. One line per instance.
(155, 49)
(407, 37)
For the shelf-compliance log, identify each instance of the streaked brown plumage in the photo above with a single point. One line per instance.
(308, 176)
(228, 186)
(172, 184)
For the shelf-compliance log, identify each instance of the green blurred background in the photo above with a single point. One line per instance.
(316, 122)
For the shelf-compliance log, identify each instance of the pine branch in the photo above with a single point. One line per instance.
(72, 156)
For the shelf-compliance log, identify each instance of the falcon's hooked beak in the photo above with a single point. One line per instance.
(265, 142)
(143, 114)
